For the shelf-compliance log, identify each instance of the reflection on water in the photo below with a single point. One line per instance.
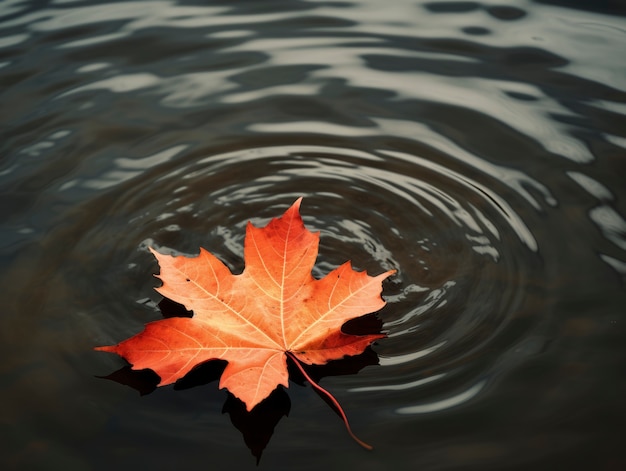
(476, 147)
(444, 404)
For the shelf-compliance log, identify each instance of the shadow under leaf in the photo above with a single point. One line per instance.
(257, 426)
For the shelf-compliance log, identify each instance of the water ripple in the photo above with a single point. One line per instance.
(475, 147)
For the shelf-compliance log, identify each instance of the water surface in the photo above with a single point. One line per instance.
(475, 147)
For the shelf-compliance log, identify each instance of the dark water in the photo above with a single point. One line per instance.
(479, 148)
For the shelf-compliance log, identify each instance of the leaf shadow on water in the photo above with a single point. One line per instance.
(257, 426)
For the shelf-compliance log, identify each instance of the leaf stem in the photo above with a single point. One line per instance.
(332, 399)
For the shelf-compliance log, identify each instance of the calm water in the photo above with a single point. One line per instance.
(479, 148)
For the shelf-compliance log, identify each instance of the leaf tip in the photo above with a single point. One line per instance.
(106, 348)
(295, 207)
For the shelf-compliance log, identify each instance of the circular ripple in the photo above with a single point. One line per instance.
(462, 299)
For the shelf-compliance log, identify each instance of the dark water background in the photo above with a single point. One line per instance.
(479, 148)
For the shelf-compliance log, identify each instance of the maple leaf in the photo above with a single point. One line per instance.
(273, 310)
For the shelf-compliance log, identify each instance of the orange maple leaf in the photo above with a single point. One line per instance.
(254, 320)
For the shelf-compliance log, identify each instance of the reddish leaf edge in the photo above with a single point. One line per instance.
(334, 401)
